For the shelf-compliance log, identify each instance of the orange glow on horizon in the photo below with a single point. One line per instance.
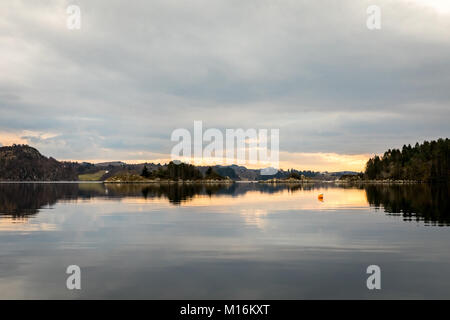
(316, 161)
(299, 161)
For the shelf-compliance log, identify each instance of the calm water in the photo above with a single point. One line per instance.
(246, 241)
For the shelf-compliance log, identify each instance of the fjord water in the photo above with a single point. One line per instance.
(239, 241)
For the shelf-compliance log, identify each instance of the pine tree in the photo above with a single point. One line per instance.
(145, 173)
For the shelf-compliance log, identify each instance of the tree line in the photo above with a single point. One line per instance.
(429, 161)
(182, 171)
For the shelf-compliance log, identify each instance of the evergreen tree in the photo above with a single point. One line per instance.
(145, 173)
(429, 161)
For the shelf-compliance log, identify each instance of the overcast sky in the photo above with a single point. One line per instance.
(137, 70)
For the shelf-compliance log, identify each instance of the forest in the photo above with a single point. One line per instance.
(428, 162)
(181, 171)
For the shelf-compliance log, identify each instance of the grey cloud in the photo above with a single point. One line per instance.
(135, 72)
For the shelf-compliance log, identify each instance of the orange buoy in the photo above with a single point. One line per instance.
(320, 197)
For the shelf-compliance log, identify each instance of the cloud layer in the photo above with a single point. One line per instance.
(134, 72)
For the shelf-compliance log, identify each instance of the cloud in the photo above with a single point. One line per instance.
(135, 72)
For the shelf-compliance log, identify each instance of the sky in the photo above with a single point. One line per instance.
(135, 71)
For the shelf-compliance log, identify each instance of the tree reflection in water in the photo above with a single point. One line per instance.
(416, 202)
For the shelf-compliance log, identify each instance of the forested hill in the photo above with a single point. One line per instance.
(24, 163)
(429, 161)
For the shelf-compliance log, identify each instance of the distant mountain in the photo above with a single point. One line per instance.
(24, 163)
(110, 163)
(341, 173)
(241, 173)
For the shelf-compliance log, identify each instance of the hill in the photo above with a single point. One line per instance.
(24, 163)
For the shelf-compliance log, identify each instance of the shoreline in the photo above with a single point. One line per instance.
(56, 181)
(171, 182)
(383, 182)
(337, 182)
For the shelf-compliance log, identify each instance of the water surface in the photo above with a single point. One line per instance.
(240, 241)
